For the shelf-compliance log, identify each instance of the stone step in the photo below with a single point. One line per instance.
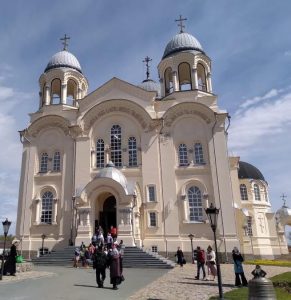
(133, 258)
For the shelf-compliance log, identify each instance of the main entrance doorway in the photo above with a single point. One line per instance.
(108, 215)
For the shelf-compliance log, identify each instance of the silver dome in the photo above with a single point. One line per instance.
(182, 42)
(150, 86)
(63, 59)
(111, 172)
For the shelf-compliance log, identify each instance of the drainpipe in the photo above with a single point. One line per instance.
(217, 181)
(162, 187)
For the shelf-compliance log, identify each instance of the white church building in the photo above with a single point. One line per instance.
(146, 158)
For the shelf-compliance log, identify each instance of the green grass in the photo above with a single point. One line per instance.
(281, 293)
(265, 262)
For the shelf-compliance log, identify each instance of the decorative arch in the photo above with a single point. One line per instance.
(188, 108)
(56, 86)
(49, 121)
(117, 106)
(201, 75)
(184, 74)
(168, 77)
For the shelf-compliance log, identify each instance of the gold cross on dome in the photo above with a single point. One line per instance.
(65, 43)
(181, 23)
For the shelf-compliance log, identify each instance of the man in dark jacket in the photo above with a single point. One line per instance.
(200, 262)
(100, 264)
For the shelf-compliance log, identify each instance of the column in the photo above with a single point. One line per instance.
(175, 81)
(47, 95)
(55, 210)
(37, 211)
(195, 78)
(64, 93)
(209, 83)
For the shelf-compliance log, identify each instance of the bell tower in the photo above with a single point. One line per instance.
(62, 82)
(184, 65)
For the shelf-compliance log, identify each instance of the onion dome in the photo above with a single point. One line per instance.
(63, 59)
(150, 86)
(111, 172)
(248, 171)
(182, 42)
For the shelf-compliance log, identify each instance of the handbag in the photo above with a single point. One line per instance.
(122, 278)
(184, 261)
(19, 259)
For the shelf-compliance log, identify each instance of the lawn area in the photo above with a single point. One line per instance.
(281, 282)
(265, 262)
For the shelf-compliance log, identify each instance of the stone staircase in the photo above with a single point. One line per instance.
(134, 257)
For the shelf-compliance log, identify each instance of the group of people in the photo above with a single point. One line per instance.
(209, 259)
(102, 254)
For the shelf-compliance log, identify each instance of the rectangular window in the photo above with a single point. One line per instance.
(152, 193)
(249, 227)
(153, 219)
(155, 249)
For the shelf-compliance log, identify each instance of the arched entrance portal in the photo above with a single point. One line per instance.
(108, 214)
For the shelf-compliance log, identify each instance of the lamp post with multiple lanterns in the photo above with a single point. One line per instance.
(212, 213)
(6, 224)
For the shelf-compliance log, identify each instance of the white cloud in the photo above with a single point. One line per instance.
(250, 102)
(251, 125)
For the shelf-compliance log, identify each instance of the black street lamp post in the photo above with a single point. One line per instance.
(212, 213)
(6, 224)
(43, 236)
(191, 236)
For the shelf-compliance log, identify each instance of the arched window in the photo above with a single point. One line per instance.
(57, 162)
(71, 92)
(168, 81)
(47, 208)
(56, 91)
(183, 155)
(257, 192)
(195, 204)
(185, 81)
(100, 153)
(132, 152)
(201, 74)
(243, 192)
(116, 156)
(198, 153)
(44, 163)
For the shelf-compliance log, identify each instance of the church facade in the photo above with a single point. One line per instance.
(147, 159)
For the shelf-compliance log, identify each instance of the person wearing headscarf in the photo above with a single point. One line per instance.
(238, 268)
(114, 264)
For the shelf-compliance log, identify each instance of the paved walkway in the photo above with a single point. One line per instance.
(77, 284)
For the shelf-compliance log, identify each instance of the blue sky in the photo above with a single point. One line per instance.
(249, 43)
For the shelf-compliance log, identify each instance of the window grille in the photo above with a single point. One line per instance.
(257, 192)
(132, 152)
(152, 193)
(198, 153)
(183, 155)
(116, 155)
(195, 204)
(47, 208)
(153, 219)
(243, 192)
(57, 161)
(100, 157)
(44, 163)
